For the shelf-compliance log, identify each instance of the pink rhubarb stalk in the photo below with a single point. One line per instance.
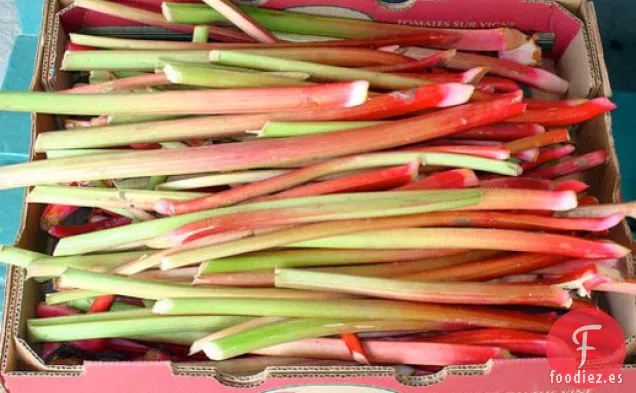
(240, 19)
(488, 269)
(133, 82)
(378, 180)
(154, 19)
(501, 132)
(573, 265)
(572, 185)
(532, 142)
(534, 184)
(566, 116)
(475, 238)
(536, 77)
(454, 178)
(593, 278)
(389, 352)
(44, 310)
(516, 341)
(417, 65)
(62, 231)
(514, 199)
(571, 165)
(471, 76)
(548, 155)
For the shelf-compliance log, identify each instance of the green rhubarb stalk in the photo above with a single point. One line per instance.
(126, 327)
(267, 335)
(356, 309)
(220, 179)
(283, 129)
(114, 120)
(179, 338)
(17, 256)
(143, 231)
(198, 345)
(121, 315)
(328, 72)
(218, 78)
(45, 266)
(104, 197)
(430, 292)
(201, 33)
(312, 231)
(475, 238)
(152, 18)
(71, 295)
(311, 258)
(186, 102)
(126, 286)
(53, 154)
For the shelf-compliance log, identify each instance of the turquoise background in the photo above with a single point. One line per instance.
(616, 21)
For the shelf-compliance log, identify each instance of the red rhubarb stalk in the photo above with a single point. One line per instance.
(488, 269)
(566, 116)
(417, 65)
(102, 303)
(389, 352)
(540, 104)
(588, 200)
(62, 231)
(454, 178)
(355, 347)
(529, 155)
(548, 155)
(570, 165)
(572, 185)
(133, 82)
(54, 215)
(378, 180)
(516, 341)
(493, 84)
(240, 19)
(532, 142)
(574, 265)
(501, 132)
(536, 77)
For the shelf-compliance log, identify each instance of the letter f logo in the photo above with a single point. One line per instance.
(584, 347)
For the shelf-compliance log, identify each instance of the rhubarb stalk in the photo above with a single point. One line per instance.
(423, 291)
(247, 155)
(353, 309)
(190, 102)
(240, 19)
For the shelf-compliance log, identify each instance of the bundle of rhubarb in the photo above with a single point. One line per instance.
(307, 200)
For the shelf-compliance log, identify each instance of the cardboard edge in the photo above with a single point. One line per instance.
(276, 372)
(595, 33)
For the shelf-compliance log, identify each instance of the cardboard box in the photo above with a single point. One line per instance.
(578, 58)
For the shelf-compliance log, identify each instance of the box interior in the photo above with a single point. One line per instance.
(576, 53)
